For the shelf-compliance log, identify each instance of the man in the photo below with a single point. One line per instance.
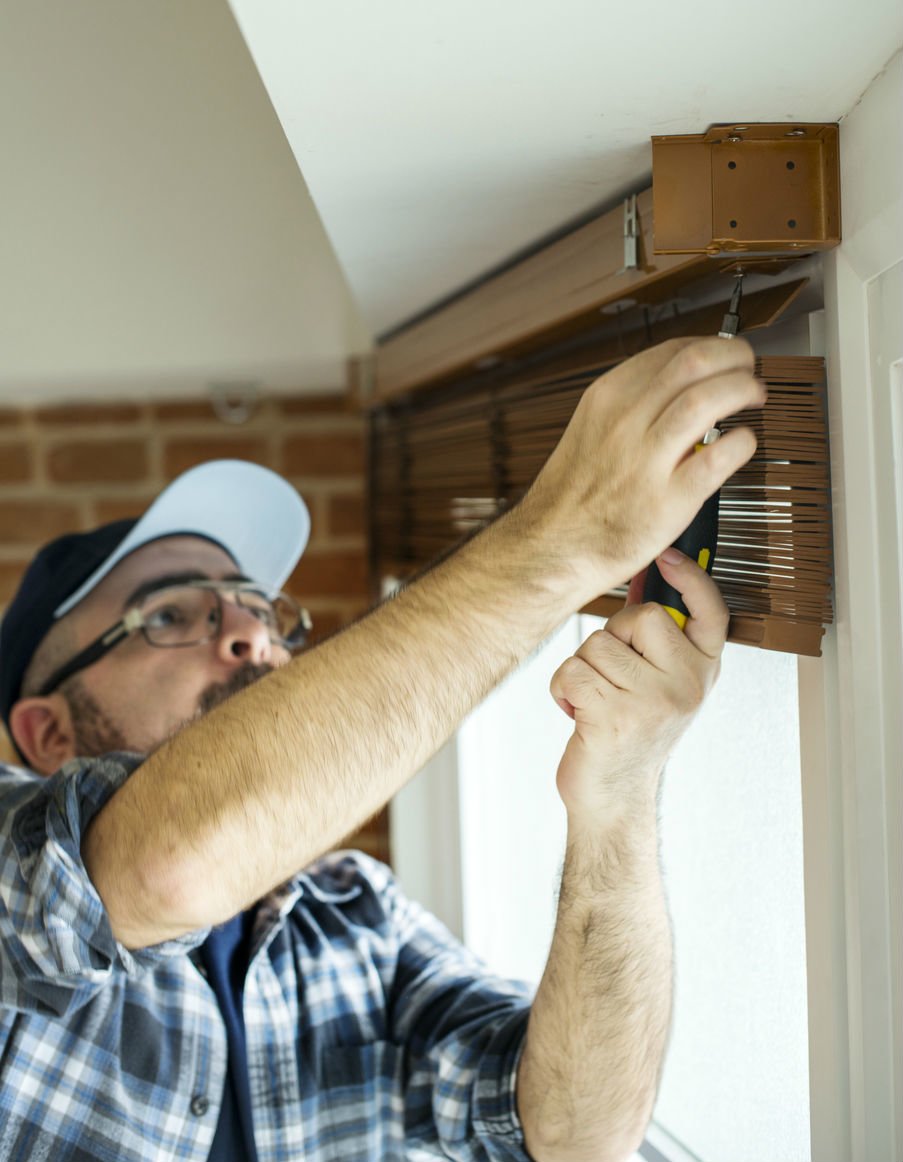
(353, 1025)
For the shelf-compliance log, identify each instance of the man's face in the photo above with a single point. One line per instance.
(137, 695)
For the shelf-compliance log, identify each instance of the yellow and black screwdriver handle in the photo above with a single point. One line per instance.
(697, 542)
(700, 539)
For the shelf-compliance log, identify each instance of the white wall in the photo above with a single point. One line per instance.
(155, 232)
(853, 763)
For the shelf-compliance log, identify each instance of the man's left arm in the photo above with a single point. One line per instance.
(599, 1025)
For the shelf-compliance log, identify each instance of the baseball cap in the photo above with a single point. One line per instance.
(249, 511)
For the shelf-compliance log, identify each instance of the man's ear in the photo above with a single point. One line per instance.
(42, 730)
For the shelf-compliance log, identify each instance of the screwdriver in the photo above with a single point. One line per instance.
(699, 540)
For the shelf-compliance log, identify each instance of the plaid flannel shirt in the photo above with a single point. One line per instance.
(371, 1033)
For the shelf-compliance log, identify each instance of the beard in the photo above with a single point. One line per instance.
(246, 675)
(96, 733)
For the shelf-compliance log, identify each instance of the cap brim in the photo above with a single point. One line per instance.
(258, 518)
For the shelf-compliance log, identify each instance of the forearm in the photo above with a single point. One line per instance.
(599, 1025)
(240, 800)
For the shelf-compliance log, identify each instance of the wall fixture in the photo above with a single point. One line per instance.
(760, 189)
(234, 403)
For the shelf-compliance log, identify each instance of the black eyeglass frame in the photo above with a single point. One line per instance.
(133, 621)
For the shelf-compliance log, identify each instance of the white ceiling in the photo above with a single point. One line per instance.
(161, 232)
(438, 139)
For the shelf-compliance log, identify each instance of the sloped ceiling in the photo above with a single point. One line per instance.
(156, 235)
(438, 139)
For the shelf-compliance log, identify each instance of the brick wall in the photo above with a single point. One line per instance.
(77, 466)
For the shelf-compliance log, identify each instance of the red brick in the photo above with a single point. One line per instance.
(180, 455)
(346, 516)
(77, 413)
(26, 522)
(10, 575)
(97, 461)
(109, 510)
(15, 462)
(336, 574)
(308, 405)
(184, 410)
(324, 454)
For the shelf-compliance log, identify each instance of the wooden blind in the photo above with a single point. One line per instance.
(445, 462)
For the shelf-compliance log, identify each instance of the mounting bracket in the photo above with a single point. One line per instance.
(630, 235)
(753, 188)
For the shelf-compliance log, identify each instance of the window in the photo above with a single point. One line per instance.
(736, 1079)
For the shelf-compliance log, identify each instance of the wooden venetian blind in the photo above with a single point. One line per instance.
(445, 462)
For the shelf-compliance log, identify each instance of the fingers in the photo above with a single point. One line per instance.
(707, 626)
(623, 480)
(567, 707)
(651, 632)
(700, 361)
(703, 472)
(691, 385)
(642, 658)
(687, 417)
(666, 371)
(602, 666)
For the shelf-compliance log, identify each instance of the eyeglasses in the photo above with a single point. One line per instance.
(189, 615)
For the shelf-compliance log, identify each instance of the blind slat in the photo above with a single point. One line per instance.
(445, 464)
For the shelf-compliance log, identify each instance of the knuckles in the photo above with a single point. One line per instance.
(692, 363)
(572, 671)
(704, 357)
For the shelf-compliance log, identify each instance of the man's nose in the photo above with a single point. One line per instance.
(243, 636)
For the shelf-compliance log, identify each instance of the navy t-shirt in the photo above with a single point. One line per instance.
(225, 955)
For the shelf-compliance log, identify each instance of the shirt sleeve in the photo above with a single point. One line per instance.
(462, 1029)
(57, 948)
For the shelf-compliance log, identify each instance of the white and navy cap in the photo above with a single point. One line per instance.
(249, 511)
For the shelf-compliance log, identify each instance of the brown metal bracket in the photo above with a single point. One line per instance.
(753, 188)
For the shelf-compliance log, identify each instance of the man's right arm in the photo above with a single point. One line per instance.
(240, 800)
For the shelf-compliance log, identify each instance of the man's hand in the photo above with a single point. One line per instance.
(622, 483)
(599, 1025)
(632, 689)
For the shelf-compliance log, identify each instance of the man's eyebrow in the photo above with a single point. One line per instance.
(167, 579)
